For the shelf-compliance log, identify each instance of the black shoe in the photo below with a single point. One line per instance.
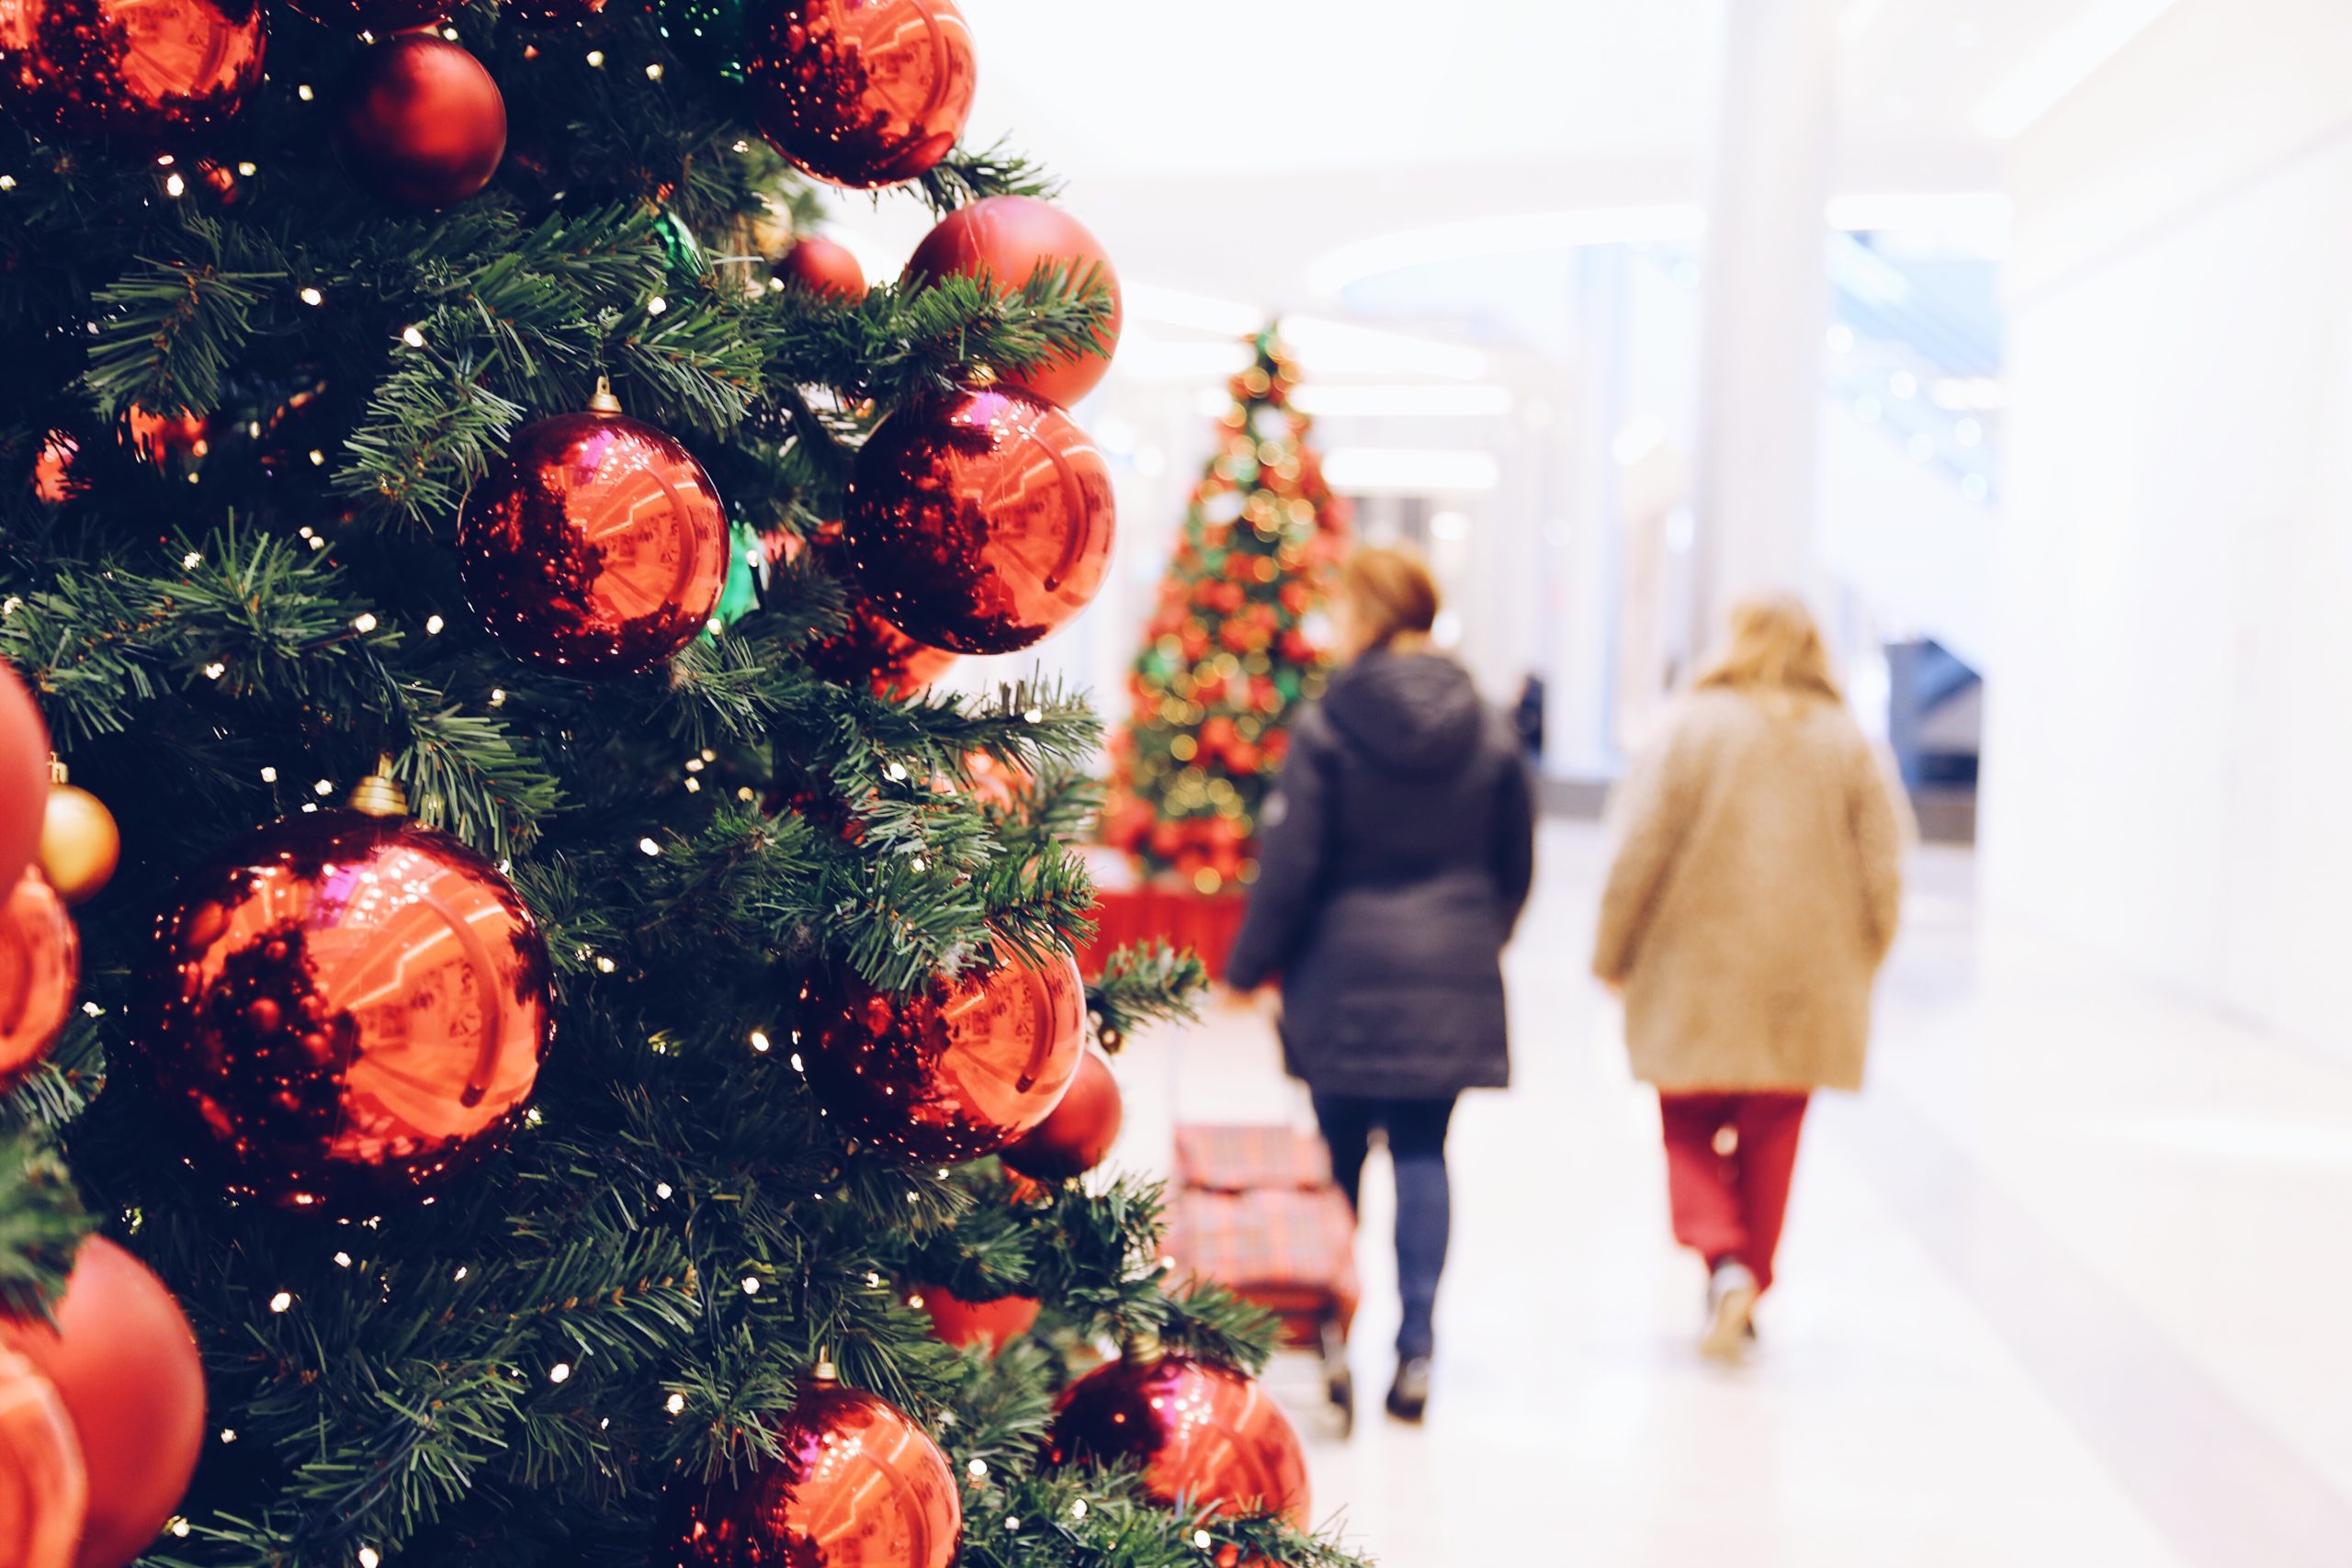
(1409, 1394)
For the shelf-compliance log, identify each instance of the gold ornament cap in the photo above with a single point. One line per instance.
(57, 774)
(1143, 1347)
(603, 402)
(379, 794)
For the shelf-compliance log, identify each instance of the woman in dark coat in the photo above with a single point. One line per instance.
(1394, 856)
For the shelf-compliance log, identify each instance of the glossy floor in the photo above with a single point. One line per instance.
(2067, 1286)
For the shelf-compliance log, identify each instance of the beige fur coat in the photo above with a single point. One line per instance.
(1753, 894)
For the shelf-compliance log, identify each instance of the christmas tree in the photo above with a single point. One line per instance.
(545, 983)
(1227, 654)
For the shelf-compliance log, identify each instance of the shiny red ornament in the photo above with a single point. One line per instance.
(40, 963)
(1003, 240)
(862, 93)
(1203, 1434)
(554, 13)
(1079, 1133)
(162, 438)
(858, 1484)
(955, 1071)
(349, 1008)
(597, 545)
(419, 121)
(141, 73)
(823, 266)
(379, 16)
(53, 479)
(122, 1359)
(24, 775)
(981, 525)
(871, 649)
(43, 1487)
(963, 1324)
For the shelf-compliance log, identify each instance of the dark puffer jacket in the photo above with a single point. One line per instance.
(1395, 857)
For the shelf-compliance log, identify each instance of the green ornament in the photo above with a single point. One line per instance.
(741, 594)
(678, 244)
(712, 34)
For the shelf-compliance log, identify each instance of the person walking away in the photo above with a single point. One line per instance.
(1753, 894)
(1396, 854)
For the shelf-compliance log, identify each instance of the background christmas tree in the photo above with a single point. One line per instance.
(1227, 654)
(267, 338)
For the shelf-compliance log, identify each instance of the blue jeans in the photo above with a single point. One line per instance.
(1416, 1130)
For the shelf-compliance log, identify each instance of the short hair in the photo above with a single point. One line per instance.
(1390, 591)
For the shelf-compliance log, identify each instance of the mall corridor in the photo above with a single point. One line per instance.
(2050, 1293)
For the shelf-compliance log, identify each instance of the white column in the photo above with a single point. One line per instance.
(1766, 301)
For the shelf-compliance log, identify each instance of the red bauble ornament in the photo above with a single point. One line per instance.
(43, 1488)
(142, 72)
(1003, 240)
(41, 962)
(963, 1323)
(24, 776)
(597, 545)
(163, 438)
(554, 12)
(379, 16)
(858, 1484)
(871, 649)
(351, 1007)
(122, 1359)
(1203, 1433)
(956, 1070)
(995, 784)
(419, 121)
(1073, 1140)
(823, 266)
(981, 525)
(862, 93)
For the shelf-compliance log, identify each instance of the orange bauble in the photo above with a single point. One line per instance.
(862, 93)
(24, 776)
(123, 1361)
(43, 1488)
(980, 526)
(1203, 1434)
(1073, 1140)
(823, 266)
(138, 72)
(857, 1484)
(80, 845)
(955, 1071)
(41, 962)
(963, 1323)
(1004, 240)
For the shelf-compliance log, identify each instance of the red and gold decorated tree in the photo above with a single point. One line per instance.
(1229, 653)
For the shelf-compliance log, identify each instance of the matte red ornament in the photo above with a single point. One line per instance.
(24, 776)
(40, 963)
(823, 266)
(1079, 1133)
(140, 72)
(597, 545)
(1003, 240)
(858, 1484)
(1203, 1434)
(378, 16)
(862, 93)
(419, 121)
(963, 1324)
(122, 1359)
(955, 1071)
(350, 1009)
(980, 526)
(873, 650)
(43, 1488)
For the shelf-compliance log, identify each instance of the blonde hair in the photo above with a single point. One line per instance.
(1774, 652)
(1390, 591)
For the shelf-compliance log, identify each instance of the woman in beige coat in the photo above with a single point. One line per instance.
(1753, 895)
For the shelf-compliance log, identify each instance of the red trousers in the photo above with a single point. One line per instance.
(1728, 1160)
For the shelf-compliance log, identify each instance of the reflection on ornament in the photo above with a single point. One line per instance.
(862, 93)
(137, 72)
(40, 963)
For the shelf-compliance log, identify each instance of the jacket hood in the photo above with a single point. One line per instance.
(1416, 714)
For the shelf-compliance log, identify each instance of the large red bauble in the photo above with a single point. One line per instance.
(419, 121)
(142, 72)
(122, 1359)
(823, 266)
(858, 1484)
(41, 962)
(871, 649)
(955, 1071)
(1073, 1140)
(349, 1008)
(980, 526)
(963, 1323)
(1003, 240)
(1203, 1433)
(378, 16)
(24, 776)
(862, 93)
(596, 546)
(43, 1488)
